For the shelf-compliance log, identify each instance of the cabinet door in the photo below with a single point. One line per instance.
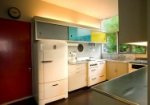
(79, 34)
(111, 71)
(98, 37)
(50, 31)
(122, 68)
(77, 76)
(132, 21)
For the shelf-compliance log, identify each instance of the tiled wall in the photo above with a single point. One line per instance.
(123, 56)
(90, 50)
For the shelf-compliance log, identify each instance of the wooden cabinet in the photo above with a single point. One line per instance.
(45, 30)
(116, 69)
(79, 34)
(77, 76)
(132, 21)
(96, 72)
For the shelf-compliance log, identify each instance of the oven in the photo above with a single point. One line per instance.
(136, 66)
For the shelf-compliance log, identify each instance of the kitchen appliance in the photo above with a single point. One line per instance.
(72, 57)
(96, 71)
(50, 70)
(136, 65)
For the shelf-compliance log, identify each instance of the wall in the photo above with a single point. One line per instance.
(90, 50)
(31, 8)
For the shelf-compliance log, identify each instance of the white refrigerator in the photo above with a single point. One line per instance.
(50, 70)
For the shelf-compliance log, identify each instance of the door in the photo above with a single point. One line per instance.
(15, 57)
(55, 60)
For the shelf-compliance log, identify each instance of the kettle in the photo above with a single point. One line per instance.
(72, 57)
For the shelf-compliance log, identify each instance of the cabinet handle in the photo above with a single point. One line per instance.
(55, 85)
(93, 78)
(101, 76)
(47, 61)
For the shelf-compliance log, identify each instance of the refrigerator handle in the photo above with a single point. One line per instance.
(47, 61)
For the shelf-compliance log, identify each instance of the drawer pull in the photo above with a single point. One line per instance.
(93, 78)
(55, 85)
(101, 76)
(93, 70)
(47, 61)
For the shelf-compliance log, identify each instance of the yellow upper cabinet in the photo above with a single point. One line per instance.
(98, 37)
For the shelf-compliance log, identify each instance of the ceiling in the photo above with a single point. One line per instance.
(100, 9)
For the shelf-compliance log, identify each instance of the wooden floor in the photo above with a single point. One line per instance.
(80, 97)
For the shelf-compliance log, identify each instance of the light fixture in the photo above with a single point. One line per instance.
(138, 43)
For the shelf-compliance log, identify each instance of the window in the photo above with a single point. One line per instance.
(138, 49)
(124, 48)
(111, 44)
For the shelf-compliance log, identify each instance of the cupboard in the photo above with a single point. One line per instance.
(77, 76)
(116, 69)
(79, 34)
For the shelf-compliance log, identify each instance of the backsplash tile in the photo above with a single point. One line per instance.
(90, 50)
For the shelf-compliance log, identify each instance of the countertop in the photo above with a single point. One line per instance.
(130, 88)
(78, 62)
(85, 61)
(114, 60)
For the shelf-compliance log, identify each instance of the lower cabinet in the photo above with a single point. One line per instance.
(116, 69)
(77, 76)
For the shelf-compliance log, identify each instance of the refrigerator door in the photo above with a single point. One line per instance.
(54, 60)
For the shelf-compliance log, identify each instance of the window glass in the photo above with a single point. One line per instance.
(124, 48)
(138, 49)
(111, 44)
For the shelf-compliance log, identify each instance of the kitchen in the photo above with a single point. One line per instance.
(26, 15)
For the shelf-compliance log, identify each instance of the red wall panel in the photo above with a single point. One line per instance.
(15, 60)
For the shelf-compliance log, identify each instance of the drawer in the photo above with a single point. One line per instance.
(96, 79)
(77, 67)
(54, 89)
(78, 72)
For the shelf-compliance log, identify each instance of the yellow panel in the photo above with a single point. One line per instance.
(97, 36)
